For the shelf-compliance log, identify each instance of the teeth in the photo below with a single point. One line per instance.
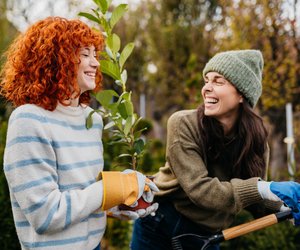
(211, 100)
(90, 74)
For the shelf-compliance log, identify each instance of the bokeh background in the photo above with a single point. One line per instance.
(173, 41)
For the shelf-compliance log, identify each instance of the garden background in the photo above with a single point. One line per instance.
(173, 41)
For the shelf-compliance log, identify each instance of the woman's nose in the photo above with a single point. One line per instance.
(208, 86)
(94, 62)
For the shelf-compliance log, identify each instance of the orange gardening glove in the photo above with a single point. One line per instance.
(123, 187)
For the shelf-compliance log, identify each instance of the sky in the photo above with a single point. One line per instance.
(39, 9)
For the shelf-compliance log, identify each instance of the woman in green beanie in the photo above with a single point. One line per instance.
(217, 157)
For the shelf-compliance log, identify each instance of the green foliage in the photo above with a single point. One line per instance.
(119, 115)
(118, 233)
(8, 236)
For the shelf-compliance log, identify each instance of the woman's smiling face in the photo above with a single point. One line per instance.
(87, 69)
(221, 98)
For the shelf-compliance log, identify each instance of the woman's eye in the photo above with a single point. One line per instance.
(220, 82)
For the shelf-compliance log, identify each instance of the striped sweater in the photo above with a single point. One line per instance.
(51, 162)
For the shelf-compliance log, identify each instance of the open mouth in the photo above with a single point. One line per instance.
(211, 100)
(90, 74)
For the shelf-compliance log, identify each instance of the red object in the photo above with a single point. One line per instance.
(142, 204)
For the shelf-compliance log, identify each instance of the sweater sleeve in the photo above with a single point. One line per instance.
(184, 157)
(31, 170)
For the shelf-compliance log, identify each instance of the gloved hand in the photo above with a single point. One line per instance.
(148, 194)
(122, 214)
(124, 187)
(131, 215)
(150, 188)
(265, 191)
(289, 193)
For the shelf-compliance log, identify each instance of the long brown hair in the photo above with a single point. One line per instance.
(247, 146)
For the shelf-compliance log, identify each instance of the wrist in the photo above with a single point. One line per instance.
(265, 191)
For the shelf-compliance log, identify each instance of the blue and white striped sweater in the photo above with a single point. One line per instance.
(51, 162)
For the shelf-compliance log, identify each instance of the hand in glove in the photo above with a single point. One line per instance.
(124, 187)
(288, 192)
(131, 215)
(147, 192)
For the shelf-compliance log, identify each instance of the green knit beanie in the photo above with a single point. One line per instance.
(243, 68)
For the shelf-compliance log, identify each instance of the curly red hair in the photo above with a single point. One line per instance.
(41, 64)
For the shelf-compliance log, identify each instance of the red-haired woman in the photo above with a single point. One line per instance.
(51, 160)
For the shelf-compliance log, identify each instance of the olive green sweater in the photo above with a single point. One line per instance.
(208, 198)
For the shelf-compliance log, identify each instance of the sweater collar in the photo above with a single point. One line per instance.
(70, 111)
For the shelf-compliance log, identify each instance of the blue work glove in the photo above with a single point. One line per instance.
(289, 193)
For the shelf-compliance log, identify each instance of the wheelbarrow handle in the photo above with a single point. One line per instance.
(257, 224)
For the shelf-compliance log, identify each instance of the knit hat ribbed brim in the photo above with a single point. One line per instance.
(243, 68)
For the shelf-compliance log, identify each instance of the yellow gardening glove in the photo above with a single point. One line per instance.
(123, 187)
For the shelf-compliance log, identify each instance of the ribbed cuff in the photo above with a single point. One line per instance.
(273, 205)
(246, 191)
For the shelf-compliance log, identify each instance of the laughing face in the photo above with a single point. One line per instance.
(221, 98)
(88, 67)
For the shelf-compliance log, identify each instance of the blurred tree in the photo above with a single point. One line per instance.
(8, 237)
(5, 28)
(178, 45)
(172, 43)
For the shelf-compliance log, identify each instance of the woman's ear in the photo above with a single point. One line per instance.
(241, 99)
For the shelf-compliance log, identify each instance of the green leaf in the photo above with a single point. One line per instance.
(89, 120)
(116, 43)
(125, 54)
(122, 110)
(126, 96)
(139, 132)
(103, 5)
(128, 125)
(109, 41)
(109, 68)
(96, 12)
(113, 107)
(124, 76)
(117, 14)
(104, 97)
(105, 26)
(109, 125)
(124, 155)
(109, 52)
(118, 82)
(125, 109)
(139, 146)
(90, 17)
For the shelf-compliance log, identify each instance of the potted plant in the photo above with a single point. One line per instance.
(117, 108)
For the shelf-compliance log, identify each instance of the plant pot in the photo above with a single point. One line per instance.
(142, 204)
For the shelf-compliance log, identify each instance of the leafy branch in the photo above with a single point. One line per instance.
(117, 108)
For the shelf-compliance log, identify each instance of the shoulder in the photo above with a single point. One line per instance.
(183, 126)
(189, 116)
(27, 120)
(26, 108)
(26, 111)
